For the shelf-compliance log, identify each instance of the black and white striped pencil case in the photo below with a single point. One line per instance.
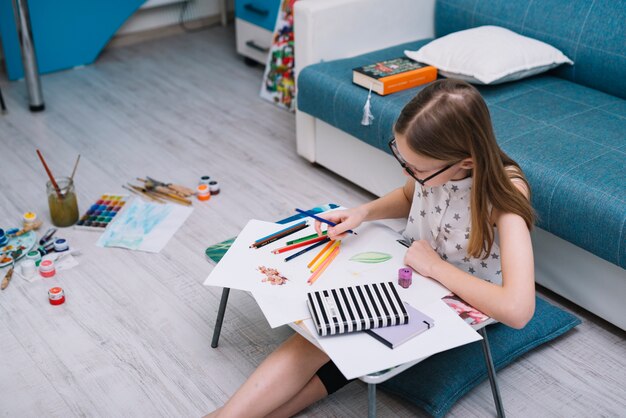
(356, 308)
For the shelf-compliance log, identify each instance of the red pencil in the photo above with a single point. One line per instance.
(298, 245)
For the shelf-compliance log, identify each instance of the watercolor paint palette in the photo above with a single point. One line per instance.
(102, 212)
(21, 244)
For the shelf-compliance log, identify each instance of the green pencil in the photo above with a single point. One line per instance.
(308, 237)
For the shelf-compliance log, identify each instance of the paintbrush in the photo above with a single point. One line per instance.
(75, 167)
(182, 190)
(7, 278)
(165, 192)
(29, 227)
(172, 197)
(52, 180)
(142, 192)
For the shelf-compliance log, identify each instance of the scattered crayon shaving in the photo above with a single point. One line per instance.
(273, 276)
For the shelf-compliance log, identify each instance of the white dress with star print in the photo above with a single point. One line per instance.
(441, 215)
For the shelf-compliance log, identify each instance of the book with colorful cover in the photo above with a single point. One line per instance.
(395, 336)
(472, 316)
(393, 75)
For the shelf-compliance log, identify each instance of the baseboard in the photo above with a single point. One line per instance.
(165, 31)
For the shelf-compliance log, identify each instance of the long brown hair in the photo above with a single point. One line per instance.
(449, 121)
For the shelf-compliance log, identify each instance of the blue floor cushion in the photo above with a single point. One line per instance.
(436, 383)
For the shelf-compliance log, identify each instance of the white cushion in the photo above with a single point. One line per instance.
(489, 55)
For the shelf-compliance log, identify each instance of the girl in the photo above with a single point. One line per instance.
(469, 221)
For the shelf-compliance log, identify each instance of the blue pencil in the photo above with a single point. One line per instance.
(281, 231)
(304, 212)
(309, 248)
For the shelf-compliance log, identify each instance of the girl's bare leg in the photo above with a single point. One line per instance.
(311, 393)
(282, 375)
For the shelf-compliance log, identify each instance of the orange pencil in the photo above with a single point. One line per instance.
(321, 269)
(327, 246)
(325, 256)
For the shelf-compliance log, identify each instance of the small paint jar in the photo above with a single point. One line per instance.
(29, 218)
(202, 192)
(205, 180)
(35, 256)
(28, 268)
(405, 277)
(56, 296)
(3, 237)
(47, 269)
(60, 245)
(214, 188)
(12, 232)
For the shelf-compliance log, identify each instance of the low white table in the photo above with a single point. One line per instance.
(373, 379)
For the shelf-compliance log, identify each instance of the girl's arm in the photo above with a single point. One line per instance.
(513, 303)
(395, 204)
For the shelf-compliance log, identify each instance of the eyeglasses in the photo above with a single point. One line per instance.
(393, 146)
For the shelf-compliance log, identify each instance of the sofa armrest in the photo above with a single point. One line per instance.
(334, 29)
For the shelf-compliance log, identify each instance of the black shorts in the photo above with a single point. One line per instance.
(331, 377)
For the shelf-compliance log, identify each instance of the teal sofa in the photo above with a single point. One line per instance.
(566, 128)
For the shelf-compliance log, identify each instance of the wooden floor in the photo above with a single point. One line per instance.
(133, 338)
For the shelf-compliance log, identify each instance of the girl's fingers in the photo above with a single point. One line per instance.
(318, 227)
(338, 237)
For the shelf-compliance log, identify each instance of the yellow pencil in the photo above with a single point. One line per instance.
(327, 246)
(325, 256)
(323, 267)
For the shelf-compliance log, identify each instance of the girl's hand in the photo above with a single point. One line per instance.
(422, 258)
(345, 220)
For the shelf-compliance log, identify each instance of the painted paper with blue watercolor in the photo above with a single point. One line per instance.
(144, 226)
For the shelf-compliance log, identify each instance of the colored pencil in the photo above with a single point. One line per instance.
(52, 180)
(280, 234)
(307, 249)
(298, 245)
(326, 221)
(323, 267)
(308, 237)
(282, 230)
(283, 234)
(403, 242)
(325, 256)
(320, 254)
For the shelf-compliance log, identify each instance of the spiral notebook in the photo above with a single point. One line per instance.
(356, 308)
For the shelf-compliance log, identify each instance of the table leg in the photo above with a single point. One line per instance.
(220, 317)
(371, 400)
(3, 107)
(491, 370)
(29, 60)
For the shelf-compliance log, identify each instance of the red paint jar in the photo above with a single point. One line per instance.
(47, 269)
(56, 296)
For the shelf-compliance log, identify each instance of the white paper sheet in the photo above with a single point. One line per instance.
(145, 226)
(286, 303)
(359, 354)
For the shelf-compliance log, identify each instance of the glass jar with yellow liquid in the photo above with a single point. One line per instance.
(63, 206)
